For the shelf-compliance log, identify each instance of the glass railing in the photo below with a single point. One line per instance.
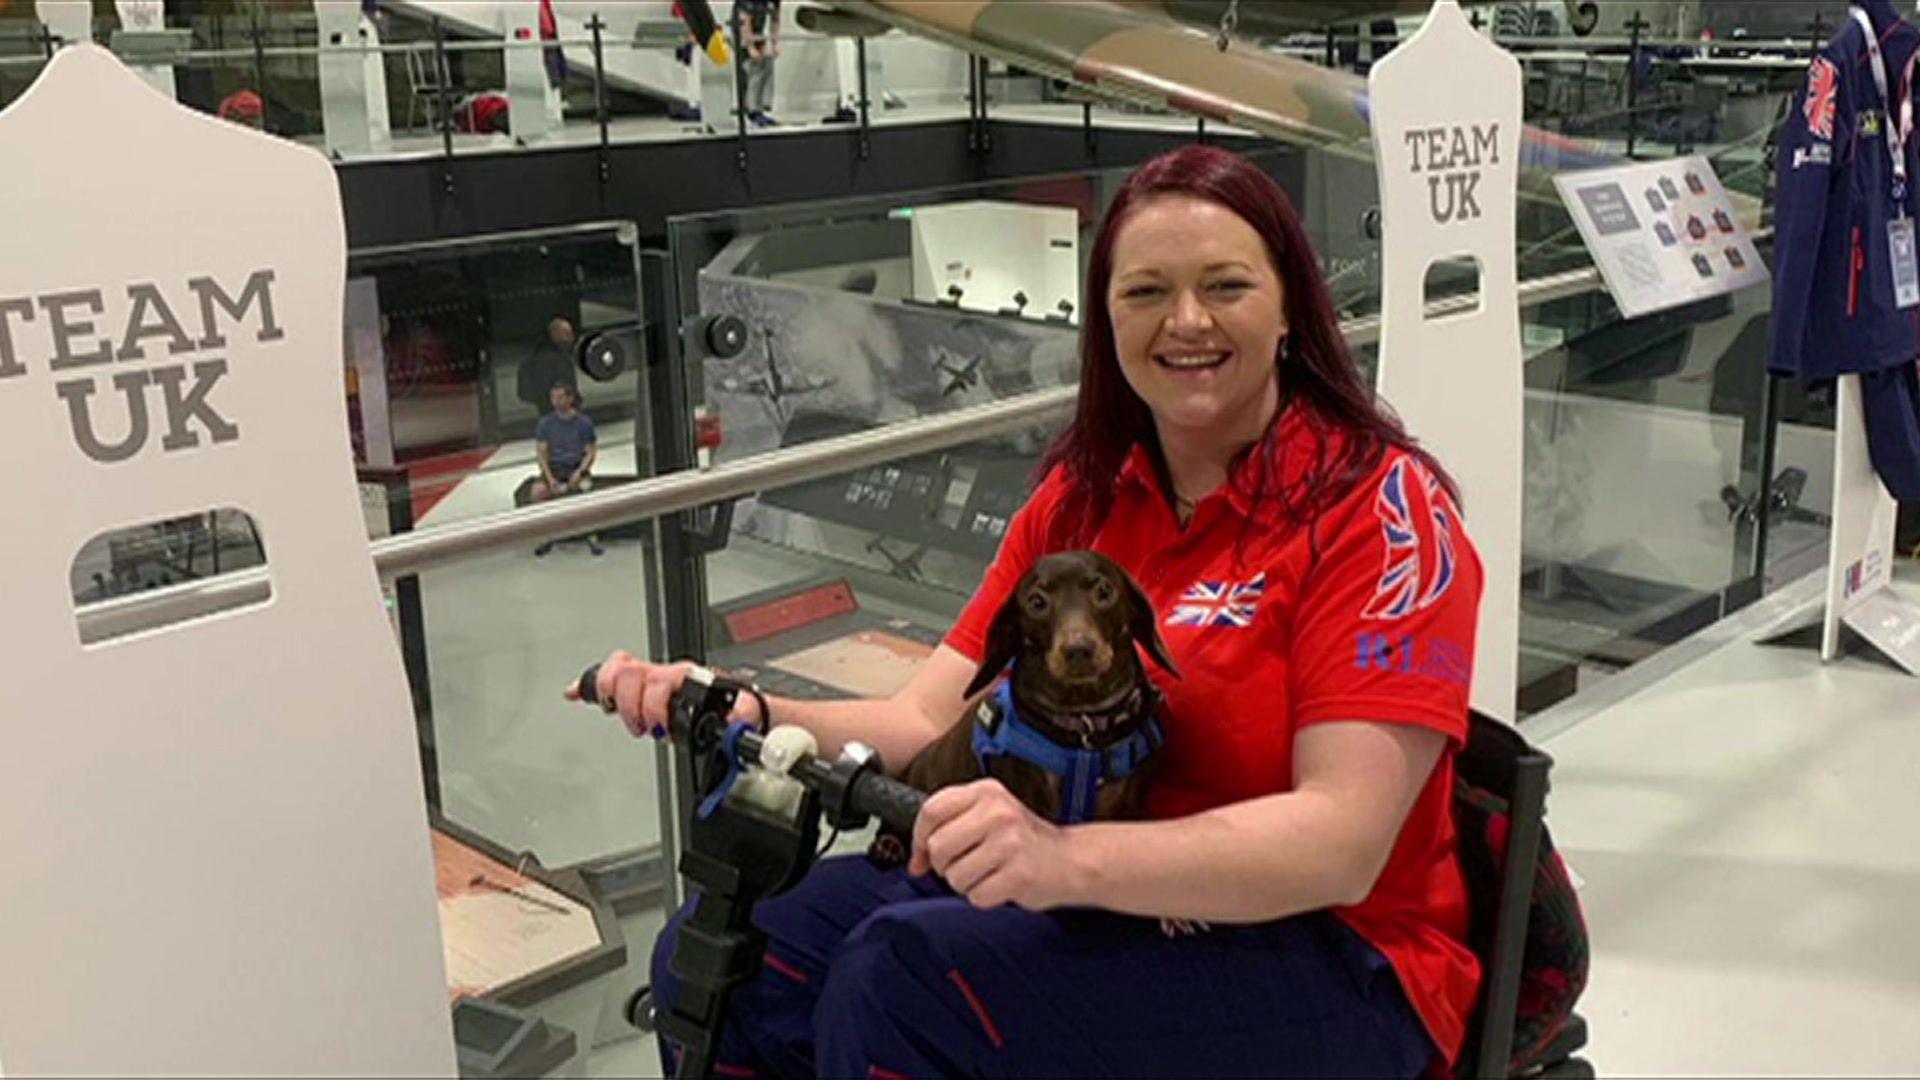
(455, 352)
(1643, 454)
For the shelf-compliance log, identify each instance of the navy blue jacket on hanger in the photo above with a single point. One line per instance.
(1835, 309)
(1833, 295)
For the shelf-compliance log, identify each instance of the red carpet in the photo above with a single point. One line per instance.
(432, 479)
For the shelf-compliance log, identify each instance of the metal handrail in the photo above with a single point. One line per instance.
(410, 553)
(657, 496)
(188, 57)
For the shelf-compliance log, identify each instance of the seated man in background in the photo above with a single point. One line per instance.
(566, 444)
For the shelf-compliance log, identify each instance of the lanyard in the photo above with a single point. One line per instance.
(1900, 123)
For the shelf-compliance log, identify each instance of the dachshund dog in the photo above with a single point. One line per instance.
(1069, 628)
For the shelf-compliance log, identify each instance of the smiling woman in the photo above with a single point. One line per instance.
(1305, 566)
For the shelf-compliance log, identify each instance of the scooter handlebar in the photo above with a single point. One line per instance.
(871, 791)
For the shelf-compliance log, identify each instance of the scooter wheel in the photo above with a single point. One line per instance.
(640, 1009)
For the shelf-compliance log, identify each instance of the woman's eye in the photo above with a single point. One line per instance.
(1140, 292)
(1230, 286)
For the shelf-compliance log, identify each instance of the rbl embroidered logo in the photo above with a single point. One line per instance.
(1416, 520)
(1823, 82)
(1219, 603)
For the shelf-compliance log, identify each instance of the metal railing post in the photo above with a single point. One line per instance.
(739, 88)
(860, 59)
(259, 35)
(1634, 26)
(442, 75)
(600, 97)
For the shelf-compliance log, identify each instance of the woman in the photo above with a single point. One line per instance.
(1318, 596)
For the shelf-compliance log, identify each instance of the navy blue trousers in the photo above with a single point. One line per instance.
(876, 974)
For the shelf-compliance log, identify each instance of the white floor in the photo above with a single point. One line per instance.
(1748, 832)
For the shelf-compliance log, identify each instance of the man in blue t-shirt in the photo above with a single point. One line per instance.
(566, 444)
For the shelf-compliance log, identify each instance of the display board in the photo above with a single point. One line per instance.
(1663, 233)
(500, 926)
(1449, 167)
(994, 253)
(217, 857)
(865, 663)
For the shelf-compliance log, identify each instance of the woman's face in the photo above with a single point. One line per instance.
(1198, 316)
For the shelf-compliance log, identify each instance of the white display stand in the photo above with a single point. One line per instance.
(69, 20)
(353, 80)
(1859, 593)
(1449, 166)
(217, 858)
(145, 19)
(532, 102)
(992, 251)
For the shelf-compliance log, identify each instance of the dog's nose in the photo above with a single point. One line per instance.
(1079, 652)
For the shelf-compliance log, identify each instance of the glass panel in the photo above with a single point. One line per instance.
(23, 52)
(454, 352)
(837, 586)
(501, 636)
(453, 355)
(823, 319)
(1644, 441)
(1643, 448)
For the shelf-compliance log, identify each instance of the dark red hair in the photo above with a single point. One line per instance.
(1316, 373)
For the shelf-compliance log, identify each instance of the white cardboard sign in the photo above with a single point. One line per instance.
(1860, 547)
(1449, 166)
(216, 848)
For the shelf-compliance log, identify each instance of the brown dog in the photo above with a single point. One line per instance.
(1069, 628)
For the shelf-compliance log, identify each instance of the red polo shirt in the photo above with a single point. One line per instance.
(1371, 618)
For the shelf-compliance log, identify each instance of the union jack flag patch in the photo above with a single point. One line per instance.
(1219, 603)
(1823, 83)
(1416, 520)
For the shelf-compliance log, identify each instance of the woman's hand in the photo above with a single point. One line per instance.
(993, 850)
(640, 691)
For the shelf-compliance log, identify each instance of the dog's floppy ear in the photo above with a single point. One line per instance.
(1146, 628)
(1003, 643)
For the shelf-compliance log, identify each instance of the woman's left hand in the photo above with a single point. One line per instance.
(991, 849)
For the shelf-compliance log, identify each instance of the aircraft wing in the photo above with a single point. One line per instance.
(1140, 50)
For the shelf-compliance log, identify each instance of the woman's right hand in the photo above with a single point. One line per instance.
(641, 691)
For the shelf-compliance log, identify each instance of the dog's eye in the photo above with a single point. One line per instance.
(1037, 604)
(1104, 593)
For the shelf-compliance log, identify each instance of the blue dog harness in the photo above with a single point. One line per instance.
(998, 731)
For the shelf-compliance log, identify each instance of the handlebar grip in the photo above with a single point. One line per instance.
(589, 685)
(894, 803)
